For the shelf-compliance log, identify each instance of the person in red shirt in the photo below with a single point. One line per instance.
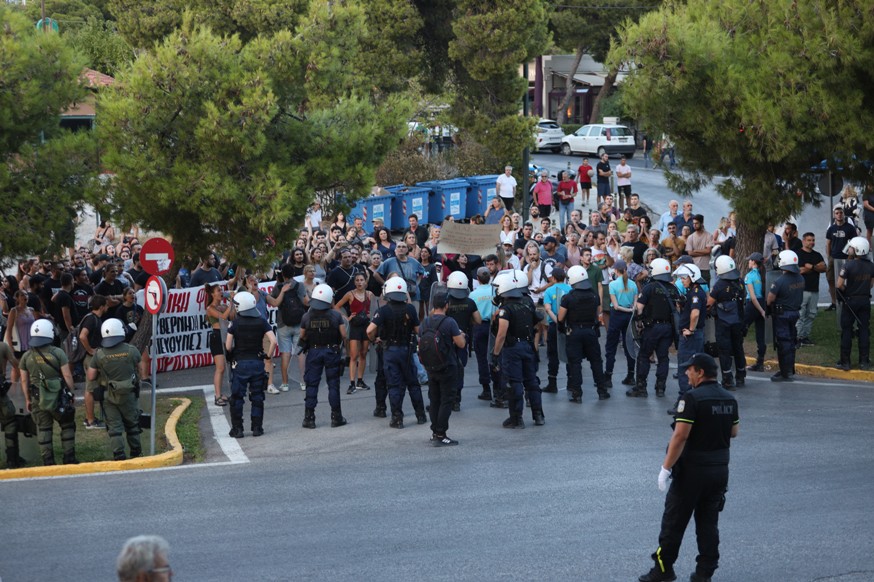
(567, 193)
(585, 179)
(543, 195)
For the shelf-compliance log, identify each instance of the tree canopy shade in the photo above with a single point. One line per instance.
(44, 171)
(220, 143)
(756, 91)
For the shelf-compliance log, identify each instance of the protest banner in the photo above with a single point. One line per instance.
(468, 239)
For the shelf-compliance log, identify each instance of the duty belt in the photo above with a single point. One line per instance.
(318, 346)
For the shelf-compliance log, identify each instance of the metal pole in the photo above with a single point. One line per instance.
(526, 191)
(154, 351)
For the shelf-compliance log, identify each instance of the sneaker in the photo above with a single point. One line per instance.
(283, 387)
(806, 342)
(303, 386)
(656, 575)
(271, 389)
(94, 425)
(361, 385)
(843, 366)
(442, 441)
(351, 389)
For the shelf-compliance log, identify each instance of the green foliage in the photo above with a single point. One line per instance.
(101, 45)
(44, 172)
(217, 142)
(570, 127)
(756, 92)
(70, 14)
(142, 23)
(407, 165)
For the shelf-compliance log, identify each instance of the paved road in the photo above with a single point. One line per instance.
(573, 500)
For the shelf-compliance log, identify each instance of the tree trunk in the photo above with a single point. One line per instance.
(561, 117)
(538, 86)
(143, 335)
(750, 239)
(609, 81)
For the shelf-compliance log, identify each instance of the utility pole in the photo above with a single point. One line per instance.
(526, 186)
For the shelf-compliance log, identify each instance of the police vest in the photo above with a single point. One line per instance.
(459, 310)
(582, 308)
(857, 274)
(397, 329)
(521, 322)
(729, 310)
(320, 331)
(790, 291)
(248, 337)
(660, 307)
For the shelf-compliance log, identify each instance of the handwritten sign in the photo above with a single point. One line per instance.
(469, 239)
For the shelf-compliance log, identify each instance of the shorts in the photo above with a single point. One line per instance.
(541, 310)
(288, 338)
(215, 343)
(830, 273)
(585, 185)
(869, 220)
(358, 333)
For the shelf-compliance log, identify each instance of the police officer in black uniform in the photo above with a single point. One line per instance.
(692, 318)
(244, 346)
(697, 460)
(727, 299)
(464, 311)
(854, 288)
(579, 316)
(784, 300)
(322, 331)
(516, 319)
(396, 324)
(657, 305)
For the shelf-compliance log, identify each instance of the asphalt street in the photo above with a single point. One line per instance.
(575, 499)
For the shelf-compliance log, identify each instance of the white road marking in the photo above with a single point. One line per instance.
(220, 428)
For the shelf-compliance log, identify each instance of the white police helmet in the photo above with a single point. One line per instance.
(457, 284)
(578, 277)
(788, 261)
(42, 333)
(521, 278)
(244, 303)
(660, 270)
(689, 270)
(506, 285)
(726, 268)
(859, 244)
(112, 332)
(323, 297)
(395, 289)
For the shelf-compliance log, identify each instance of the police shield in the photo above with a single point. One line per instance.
(770, 276)
(839, 265)
(632, 334)
(561, 338)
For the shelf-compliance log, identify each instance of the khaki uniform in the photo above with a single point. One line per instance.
(44, 365)
(117, 372)
(7, 410)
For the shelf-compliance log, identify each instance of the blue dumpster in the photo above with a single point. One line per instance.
(407, 201)
(482, 190)
(450, 199)
(372, 208)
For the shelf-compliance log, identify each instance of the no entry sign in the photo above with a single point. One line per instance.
(156, 256)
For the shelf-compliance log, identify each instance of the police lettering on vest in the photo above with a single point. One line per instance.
(857, 275)
(461, 310)
(322, 330)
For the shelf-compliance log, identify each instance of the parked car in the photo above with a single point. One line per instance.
(598, 139)
(548, 135)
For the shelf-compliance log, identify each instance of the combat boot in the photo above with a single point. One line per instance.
(119, 456)
(421, 417)
(638, 391)
(628, 380)
(551, 386)
(656, 575)
(236, 426)
(257, 426)
(696, 577)
(576, 397)
(537, 416)
(70, 459)
(498, 403)
(602, 391)
(728, 381)
(740, 378)
(309, 418)
(486, 394)
(608, 382)
(13, 461)
(337, 418)
(379, 412)
(514, 422)
(397, 421)
(759, 366)
(660, 388)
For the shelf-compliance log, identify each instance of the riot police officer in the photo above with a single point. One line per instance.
(854, 288)
(784, 299)
(516, 319)
(7, 410)
(692, 316)
(322, 330)
(657, 306)
(395, 325)
(579, 316)
(244, 346)
(115, 368)
(727, 299)
(464, 311)
(46, 373)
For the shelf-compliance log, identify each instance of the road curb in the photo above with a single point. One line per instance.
(822, 371)
(168, 459)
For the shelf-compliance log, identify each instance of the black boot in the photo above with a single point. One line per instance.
(397, 421)
(119, 456)
(602, 391)
(309, 418)
(608, 382)
(337, 418)
(486, 394)
(421, 417)
(759, 366)
(498, 403)
(13, 461)
(236, 426)
(537, 416)
(656, 575)
(740, 378)
(70, 458)
(379, 412)
(638, 391)
(575, 397)
(660, 388)
(628, 380)
(728, 381)
(514, 421)
(257, 426)
(551, 386)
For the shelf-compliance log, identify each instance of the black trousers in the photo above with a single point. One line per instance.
(856, 311)
(442, 390)
(730, 341)
(752, 316)
(700, 491)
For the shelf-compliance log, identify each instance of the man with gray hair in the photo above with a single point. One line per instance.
(506, 187)
(144, 559)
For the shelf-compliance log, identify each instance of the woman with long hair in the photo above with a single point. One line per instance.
(754, 310)
(318, 262)
(572, 247)
(415, 251)
(358, 304)
(340, 220)
(18, 323)
(384, 244)
(508, 235)
(644, 226)
(496, 211)
(216, 311)
(623, 295)
(428, 279)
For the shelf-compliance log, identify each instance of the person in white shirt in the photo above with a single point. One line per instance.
(669, 216)
(623, 181)
(506, 186)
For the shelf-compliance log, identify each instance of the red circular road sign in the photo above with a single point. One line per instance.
(156, 256)
(155, 295)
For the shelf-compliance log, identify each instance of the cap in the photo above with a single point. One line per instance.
(482, 271)
(620, 265)
(684, 260)
(756, 257)
(703, 362)
(550, 239)
(508, 244)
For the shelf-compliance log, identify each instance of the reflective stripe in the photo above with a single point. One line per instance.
(659, 559)
(686, 420)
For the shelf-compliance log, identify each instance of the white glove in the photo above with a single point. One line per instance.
(663, 478)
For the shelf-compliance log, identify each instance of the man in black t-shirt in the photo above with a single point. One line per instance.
(81, 293)
(111, 288)
(790, 238)
(837, 236)
(420, 231)
(633, 241)
(137, 274)
(811, 265)
(62, 308)
(342, 278)
(604, 173)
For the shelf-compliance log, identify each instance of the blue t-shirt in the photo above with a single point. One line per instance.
(625, 297)
(482, 296)
(553, 295)
(755, 279)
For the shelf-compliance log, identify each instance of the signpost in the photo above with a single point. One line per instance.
(156, 301)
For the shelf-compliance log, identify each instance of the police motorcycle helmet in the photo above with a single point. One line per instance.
(42, 333)
(112, 332)
(726, 268)
(660, 270)
(244, 303)
(578, 277)
(457, 284)
(323, 297)
(506, 285)
(689, 270)
(521, 278)
(860, 246)
(788, 261)
(395, 289)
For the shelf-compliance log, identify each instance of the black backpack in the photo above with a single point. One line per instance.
(291, 309)
(436, 349)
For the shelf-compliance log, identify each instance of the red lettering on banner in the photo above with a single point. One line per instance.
(178, 302)
(173, 363)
